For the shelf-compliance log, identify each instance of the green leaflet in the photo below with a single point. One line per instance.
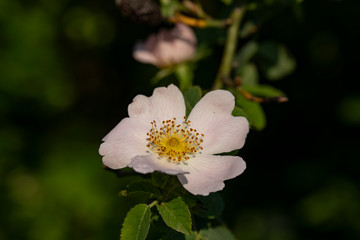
(239, 112)
(176, 215)
(253, 112)
(263, 91)
(192, 236)
(249, 75)
(137, 223)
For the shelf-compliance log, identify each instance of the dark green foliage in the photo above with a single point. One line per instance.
(211, 206)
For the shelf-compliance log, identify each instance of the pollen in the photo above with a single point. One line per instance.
(173, 141)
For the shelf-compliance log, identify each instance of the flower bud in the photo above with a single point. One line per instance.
(168, 47)
(141, 11)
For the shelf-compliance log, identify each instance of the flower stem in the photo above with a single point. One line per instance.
(230, 47)
(185, 75)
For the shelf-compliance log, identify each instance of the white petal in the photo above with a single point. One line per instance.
(126, 140)
(164, 104)
(212, 117)
(207, 173)
(150, 163)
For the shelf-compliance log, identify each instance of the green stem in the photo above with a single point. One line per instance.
(217, 23)
(153, 204)
(230, 47)
(185, 76)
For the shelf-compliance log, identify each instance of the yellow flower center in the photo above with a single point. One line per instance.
(176, 143)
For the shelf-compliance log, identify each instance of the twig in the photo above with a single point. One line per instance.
(230, 46)
(253, 98)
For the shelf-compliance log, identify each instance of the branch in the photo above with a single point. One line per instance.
(230, 47)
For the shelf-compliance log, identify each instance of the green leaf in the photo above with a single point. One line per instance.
(254, 112)
(275, 60)
(185, 75)
(217, 233)
(284, 65)
(176, 215)
(137, 223)
(192, 96)
(213, 205)
(187, 197)
(192, 236)
(239, 112)
(249, 75)
(263, 91)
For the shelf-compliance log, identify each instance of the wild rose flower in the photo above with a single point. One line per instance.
(168, 47)
(157, 137)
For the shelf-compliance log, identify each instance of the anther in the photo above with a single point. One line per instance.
(177, 143)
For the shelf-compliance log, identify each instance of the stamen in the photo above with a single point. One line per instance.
(175, 142)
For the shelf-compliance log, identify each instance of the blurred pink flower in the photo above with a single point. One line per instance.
(168, 47)
(157, 137)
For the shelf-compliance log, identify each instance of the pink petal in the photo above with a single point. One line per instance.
(168, 47)
(176, 45)
(212, 117)
(207, 173)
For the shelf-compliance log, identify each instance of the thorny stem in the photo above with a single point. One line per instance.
(230, 47)
(199, 23)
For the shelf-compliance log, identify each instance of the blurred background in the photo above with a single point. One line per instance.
(67, 76)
